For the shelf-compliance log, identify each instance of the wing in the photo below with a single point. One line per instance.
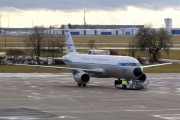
(98, 70)
(155, 65)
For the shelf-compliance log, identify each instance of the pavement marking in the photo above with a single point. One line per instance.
(65, 117)
(177, 90)
(168, 116)
(25, 114)
(71, 99)
(27, 83)
(139, 106)
(35, 93)
(105, 111)
(163, 92)
(160, 110)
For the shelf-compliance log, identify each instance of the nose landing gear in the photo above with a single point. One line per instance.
(84, 85)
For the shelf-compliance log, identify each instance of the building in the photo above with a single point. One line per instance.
(98, 30)
(92, 30)
(103, 26)
(168, 23)
(121, 31)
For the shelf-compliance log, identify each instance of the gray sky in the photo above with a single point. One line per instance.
(28, 13)
(88, 4)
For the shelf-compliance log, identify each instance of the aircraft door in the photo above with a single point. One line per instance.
(119, 70)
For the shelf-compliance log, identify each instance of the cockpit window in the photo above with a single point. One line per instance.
(138, 64)
(129, 64)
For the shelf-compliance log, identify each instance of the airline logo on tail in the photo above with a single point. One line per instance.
(66, 35)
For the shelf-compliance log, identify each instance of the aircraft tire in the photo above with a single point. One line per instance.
(84, 85)
(79, 85)
(115, 83)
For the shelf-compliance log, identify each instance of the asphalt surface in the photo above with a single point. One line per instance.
(56, 96)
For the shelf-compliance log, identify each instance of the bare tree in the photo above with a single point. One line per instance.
(54, 26)
(91, 44)
(5, 39)
(70, 26)
(57, 25)
(153, 41)
(113, 52)
(51, 27)
(132, 47)
(60, 40)
(50, 45)
(56, 44)
(35, 41)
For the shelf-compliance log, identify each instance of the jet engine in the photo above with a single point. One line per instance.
(82, 78)
(142, 78)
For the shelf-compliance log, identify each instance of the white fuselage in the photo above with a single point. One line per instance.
(112, 66)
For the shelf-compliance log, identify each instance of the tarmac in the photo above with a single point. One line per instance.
(41, 96)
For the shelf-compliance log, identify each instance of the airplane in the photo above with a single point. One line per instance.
(85, 66)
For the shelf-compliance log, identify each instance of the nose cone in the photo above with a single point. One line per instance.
(138, 72)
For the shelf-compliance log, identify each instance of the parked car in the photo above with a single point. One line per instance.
(11, 59)
(20, 60)
(28, 60)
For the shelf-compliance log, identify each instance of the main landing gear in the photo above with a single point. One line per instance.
(117, 82)
(84, 85)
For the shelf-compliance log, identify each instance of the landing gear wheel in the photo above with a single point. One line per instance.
(79, 85)
(116, 83)
(84, 85)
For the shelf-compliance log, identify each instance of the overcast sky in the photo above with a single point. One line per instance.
(27, 13)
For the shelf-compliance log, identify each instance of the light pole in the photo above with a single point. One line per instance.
(5, 39)
(32, 23)
(8, 23)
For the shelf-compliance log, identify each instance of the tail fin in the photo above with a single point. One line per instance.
(70, 48)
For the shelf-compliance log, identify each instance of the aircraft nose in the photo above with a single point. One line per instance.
(138, 72)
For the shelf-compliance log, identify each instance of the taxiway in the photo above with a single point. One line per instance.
(56, 96)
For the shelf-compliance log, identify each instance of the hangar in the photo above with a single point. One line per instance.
(98, 30)
(122, 31)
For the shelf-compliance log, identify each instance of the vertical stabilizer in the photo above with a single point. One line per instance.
(70, 48)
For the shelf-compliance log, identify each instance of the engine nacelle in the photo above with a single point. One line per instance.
(82, 78)
(142, 78)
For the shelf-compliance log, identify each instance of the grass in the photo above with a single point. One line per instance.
(27, 69)
(82, 39)
(85, 39)
(174, 54)
(174, 68)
